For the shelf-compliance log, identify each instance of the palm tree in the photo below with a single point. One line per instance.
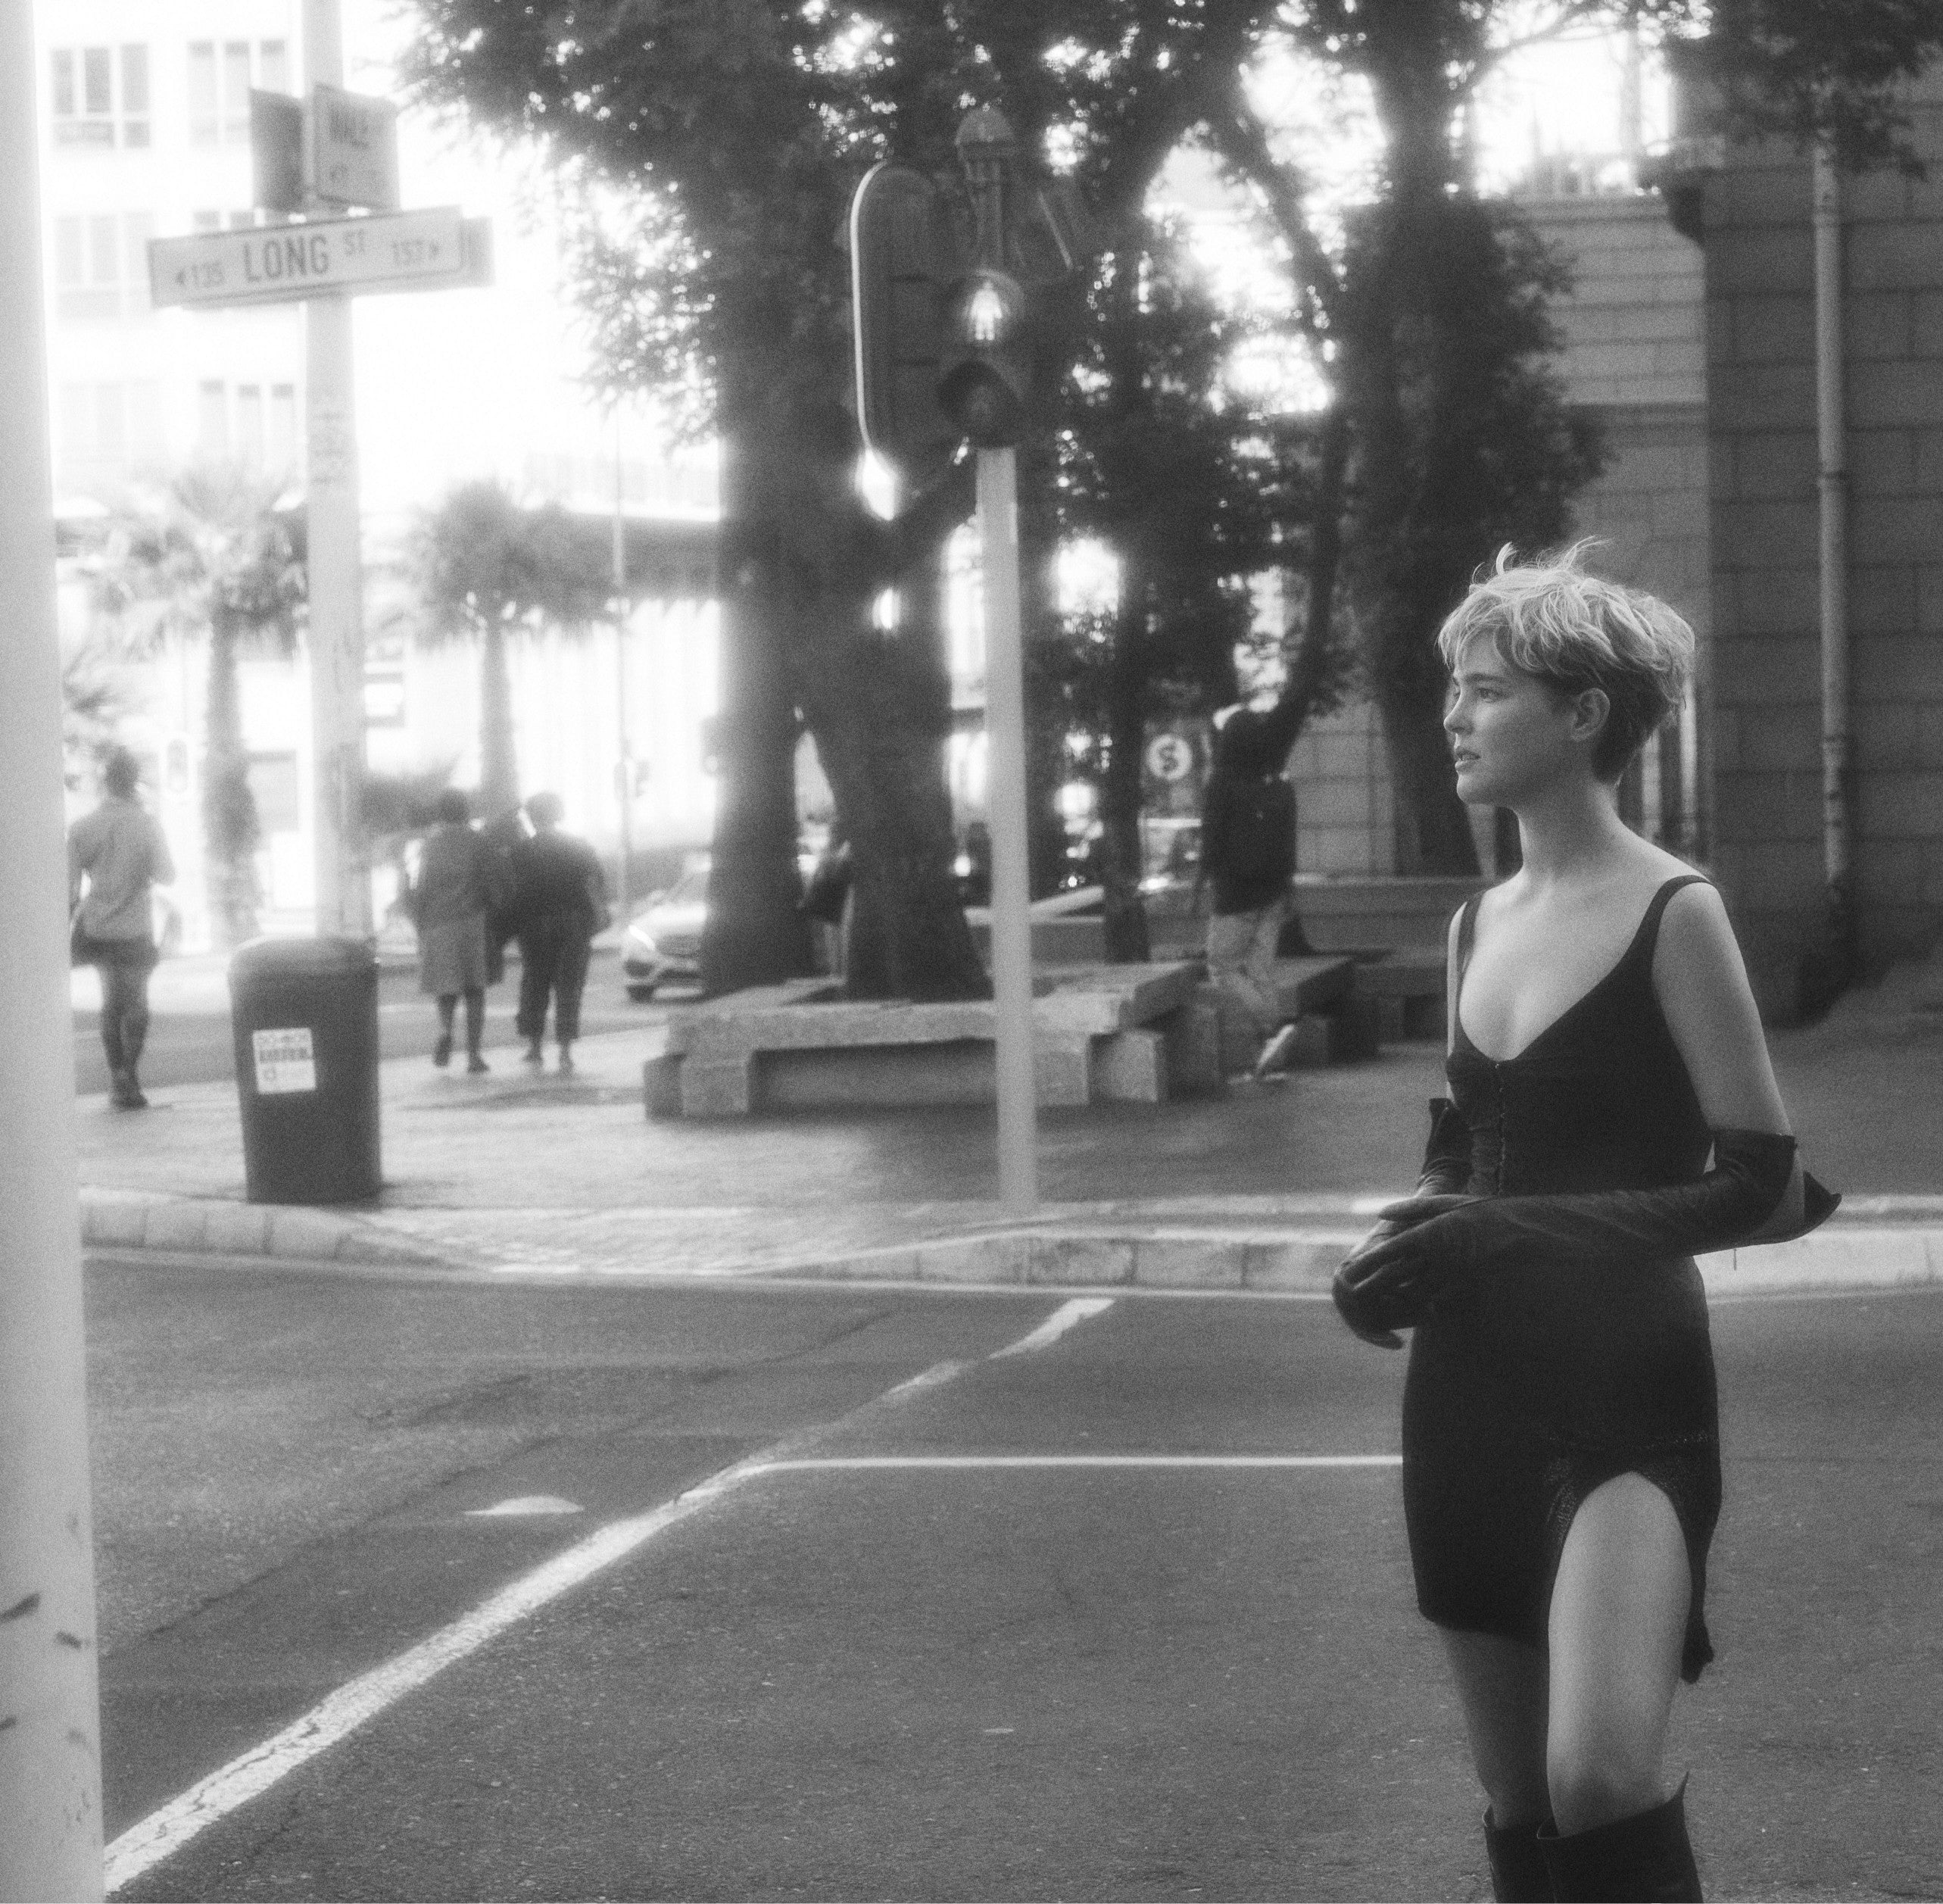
(484, 566)
(208, 551)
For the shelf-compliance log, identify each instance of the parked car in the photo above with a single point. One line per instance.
(663, 945)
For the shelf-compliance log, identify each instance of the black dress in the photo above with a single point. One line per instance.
(1535, 1384)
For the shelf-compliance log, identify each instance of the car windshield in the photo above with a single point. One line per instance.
(690, 890)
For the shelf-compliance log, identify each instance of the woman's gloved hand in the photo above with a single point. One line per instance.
(1755, 1193)
(1377, 1291)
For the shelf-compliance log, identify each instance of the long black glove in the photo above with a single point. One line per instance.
(1755, 1193)
(1446, 1170)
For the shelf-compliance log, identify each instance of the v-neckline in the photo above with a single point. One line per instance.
(1585, 997)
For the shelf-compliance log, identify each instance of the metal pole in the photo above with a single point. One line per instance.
(335, 566)
(1012, 925)
(1832, 434)
(50, 1733)
(624, 771)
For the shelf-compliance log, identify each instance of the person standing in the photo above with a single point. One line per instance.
(559, 902)
(1612, 1112)
(1248, 855)
(451, 898)
(118, 853)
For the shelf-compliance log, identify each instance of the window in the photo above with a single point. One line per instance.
(212, 419)
(280, 445)
(249, 422)
(101, 265)
(95, 434)
(219, 79)
(99, 99)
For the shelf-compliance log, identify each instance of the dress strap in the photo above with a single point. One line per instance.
(1648, 938)
(1466, 931)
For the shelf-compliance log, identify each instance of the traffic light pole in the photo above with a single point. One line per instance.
(50, 1749)
(1005, 802)
(335, 566)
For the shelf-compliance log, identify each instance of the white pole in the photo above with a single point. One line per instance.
(623, 770)
(336, 565)
(50, 1729)
(1011, 927)
(1832, 446)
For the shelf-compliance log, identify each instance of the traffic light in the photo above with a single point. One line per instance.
(985, 369)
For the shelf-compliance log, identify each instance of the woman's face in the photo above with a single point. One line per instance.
(1511, 733)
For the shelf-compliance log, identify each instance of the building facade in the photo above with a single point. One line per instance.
(1770, 846)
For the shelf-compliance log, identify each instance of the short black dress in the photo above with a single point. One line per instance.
(1531, 1385)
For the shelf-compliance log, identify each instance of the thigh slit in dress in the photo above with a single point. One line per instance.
(1534, 1385)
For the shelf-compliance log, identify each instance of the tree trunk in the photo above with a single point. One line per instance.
(499, 772)
(231, 829)
(755, 933)
(1125, 923)
(881, 716)
(1433, 830)
(1047, 766)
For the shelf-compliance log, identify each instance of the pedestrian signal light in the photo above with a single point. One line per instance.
(986, 378)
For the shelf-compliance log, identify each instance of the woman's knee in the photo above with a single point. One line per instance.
(1596, 1773)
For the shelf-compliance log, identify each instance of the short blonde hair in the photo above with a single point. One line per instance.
(1550, 619)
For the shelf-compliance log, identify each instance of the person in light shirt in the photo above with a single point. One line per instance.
(115, 855)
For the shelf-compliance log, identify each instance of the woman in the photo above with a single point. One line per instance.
(1562, 1460)
(450, 901)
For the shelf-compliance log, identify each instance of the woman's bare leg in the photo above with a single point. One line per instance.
(1501, 1685)
(1618, 1625)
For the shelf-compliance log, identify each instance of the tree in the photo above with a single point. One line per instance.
(713, 144)
(485, 567)
(1194, 493)
(716, 143)
(209, 554)
(1433, 302)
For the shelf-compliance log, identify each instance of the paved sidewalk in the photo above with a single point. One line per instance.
(523, 1177)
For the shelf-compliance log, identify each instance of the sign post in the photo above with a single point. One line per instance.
(335, 566)
(986, 146)
(338, 152)
(50, 1726)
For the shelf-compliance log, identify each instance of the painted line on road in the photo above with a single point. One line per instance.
(865, 1462)
(355, 1704)
(1068, 1315)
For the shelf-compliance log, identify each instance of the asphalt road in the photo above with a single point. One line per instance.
(1101, 1677)
(190, 1042)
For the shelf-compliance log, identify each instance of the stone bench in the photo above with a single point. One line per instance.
(1130, 1033)
(1408, 989)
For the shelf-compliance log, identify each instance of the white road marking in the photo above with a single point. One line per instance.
(526, 1504)
(840, 1462)
(1066, 1316)
(166, 1831)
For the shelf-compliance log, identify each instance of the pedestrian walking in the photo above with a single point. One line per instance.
(1248, 855)
(115, 855)
(453, 892)
(1612, 1111)
(559, 902)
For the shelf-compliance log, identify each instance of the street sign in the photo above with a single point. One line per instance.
(353, 149)
(1170, 757)
(276, 151)
(400, 251)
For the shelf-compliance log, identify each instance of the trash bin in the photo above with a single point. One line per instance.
(305, 1014)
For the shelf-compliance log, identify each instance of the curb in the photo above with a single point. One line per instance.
(1297, 1256)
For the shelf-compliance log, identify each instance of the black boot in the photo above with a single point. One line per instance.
(1645, 1857)
(1519, 1872)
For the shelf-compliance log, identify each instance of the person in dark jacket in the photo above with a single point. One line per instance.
(1248, 857)
(559, 903)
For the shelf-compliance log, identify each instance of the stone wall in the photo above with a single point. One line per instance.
(1767, 850)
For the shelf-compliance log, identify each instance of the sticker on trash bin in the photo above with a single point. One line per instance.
(285, 1060)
